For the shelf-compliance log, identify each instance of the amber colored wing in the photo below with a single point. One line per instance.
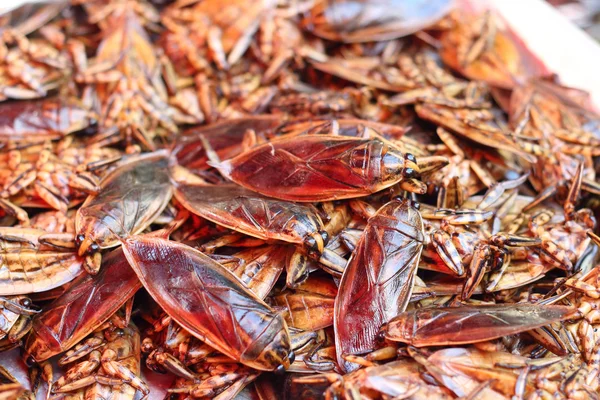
(130, 198)
(378, 280)
(203, 296)
(310, 305)
(311, 167)
(82, 308)
(262, 267)
(470, 324)
(225, 137)
(247, 212)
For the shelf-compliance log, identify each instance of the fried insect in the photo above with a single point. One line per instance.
(128, 201)
(322, 168)
(83, 308)
(378, 280)
(244, 211)
(30, 263)
(268, 219)
(40, 120)
(364, 21)
(199, 294)
(470, 324)
(113, 372)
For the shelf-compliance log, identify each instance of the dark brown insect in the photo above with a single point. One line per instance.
(129, 199)
(366, 21)
(244, 211)
(471, 324)
(322, 168)
(88, 304)
(210, 302)
(378, 280)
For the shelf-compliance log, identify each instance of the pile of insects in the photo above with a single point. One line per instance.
(308, 199)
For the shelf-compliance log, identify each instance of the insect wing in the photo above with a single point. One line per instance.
(225, 138)
(313, 167)
(378, 280)
(244, 211)
(206, 299)
(130, 198)
(471, 324)
(85, 306)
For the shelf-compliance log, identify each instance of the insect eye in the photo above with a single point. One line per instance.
(310, 243)
(291, 356)
(280, 370)
(94, 248)
(30, 361)
(79, 239)
(25, 302)
(409, 173)
(410, 157)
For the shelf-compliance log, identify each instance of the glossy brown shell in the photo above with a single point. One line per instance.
(317, 168)
(471, 324)
(210, 302)
(39, 120)
(131, 196)
(82, 308)
(378, 280)
(244, 211)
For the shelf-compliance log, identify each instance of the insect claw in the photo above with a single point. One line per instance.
(414, 186)
(428, 165)
(505, 239)
(574, 192)
(92, 263)
(595, 238)
(58, 240)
